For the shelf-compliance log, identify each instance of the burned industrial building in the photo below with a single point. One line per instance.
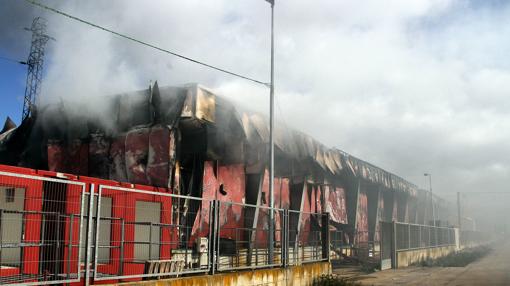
(193, 147)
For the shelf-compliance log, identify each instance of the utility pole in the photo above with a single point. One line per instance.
(271, 144)
(35, 65)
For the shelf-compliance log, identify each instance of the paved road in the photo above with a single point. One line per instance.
(493, 269)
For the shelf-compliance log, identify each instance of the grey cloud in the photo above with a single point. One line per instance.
(15, 16)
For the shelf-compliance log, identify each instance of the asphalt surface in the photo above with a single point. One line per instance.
(493, 269)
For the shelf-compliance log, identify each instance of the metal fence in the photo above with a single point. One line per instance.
(41, 221)
(243, 239)
(141, 234)
(366, 247)
(414, 236)
(299, 237)
(63, 231)
(308, 237)
(357, 246)
(338, 244)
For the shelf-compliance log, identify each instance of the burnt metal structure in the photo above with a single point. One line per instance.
(194, 147)
(35, 65)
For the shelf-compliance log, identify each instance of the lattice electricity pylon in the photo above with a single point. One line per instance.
(35, 65)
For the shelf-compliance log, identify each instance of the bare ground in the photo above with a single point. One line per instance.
(493, 269)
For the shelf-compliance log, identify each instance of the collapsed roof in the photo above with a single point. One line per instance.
(206, 123)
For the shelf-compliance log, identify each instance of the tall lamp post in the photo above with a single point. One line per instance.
(431, 198)
(271, 143)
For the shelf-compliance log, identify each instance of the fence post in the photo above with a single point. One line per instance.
(408, 236)
(420, 242)
(287, 241)
(42, 242)
(24, 229)
(430, 237)
(436, 240)
(284, 238)
(394, 263)
(325, 236)
(150, 240)
(212, 236)
(121, 255)
(217, 227)
(270, 236)
(70, 245)
(57, 247)
(97, 230)
(89, 235)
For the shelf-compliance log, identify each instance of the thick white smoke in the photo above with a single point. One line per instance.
(410, 86)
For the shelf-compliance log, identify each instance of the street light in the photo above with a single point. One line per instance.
(431, 198)
(271, 143)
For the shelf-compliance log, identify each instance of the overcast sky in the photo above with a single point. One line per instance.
(410, 86)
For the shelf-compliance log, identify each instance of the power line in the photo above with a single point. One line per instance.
(13, 60)
(144, 43)
(479, 193)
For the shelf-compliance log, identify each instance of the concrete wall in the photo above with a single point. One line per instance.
(408, 257)
(295, 275)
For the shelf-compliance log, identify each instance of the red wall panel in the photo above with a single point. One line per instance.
(161, 147)
(362, 217)
(336, 204)
(137, 151)
(57, 156)
(231, 180)
(117, 170)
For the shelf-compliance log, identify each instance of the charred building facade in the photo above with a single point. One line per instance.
(192, 142)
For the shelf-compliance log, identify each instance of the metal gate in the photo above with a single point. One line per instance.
(386, 245)
(41, 222)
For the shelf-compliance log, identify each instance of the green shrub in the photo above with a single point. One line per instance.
(458, 259)
(369, 267)
(333, 280)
